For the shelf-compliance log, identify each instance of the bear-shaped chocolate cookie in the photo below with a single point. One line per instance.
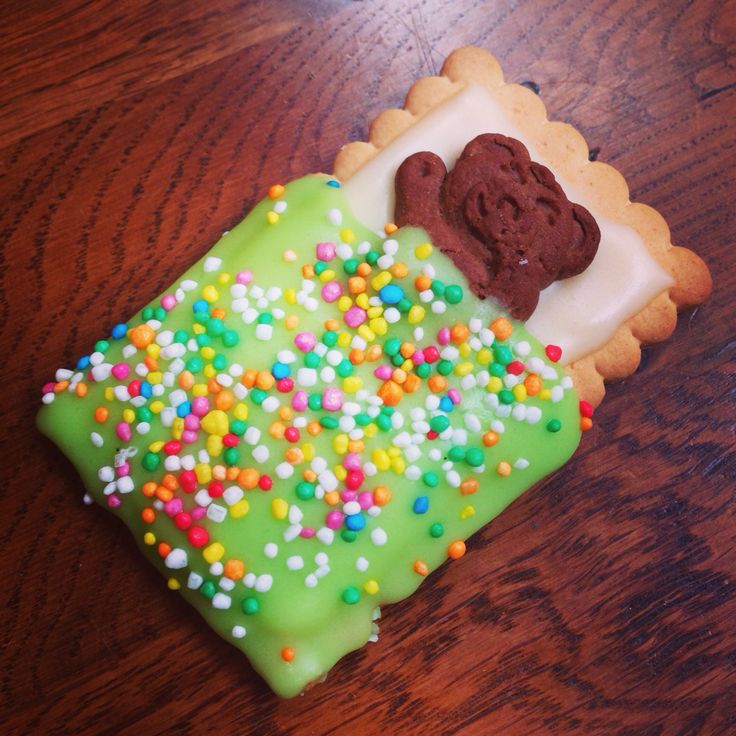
(501, 217)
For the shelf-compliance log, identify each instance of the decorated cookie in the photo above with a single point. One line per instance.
(321, 411)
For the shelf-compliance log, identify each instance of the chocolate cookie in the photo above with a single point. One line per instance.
(501, 217)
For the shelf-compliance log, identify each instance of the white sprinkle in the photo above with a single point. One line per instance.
(472, 422)
(279, 207)
(379, 537)
(270, 549)
(172, 463)
(216, 513)
(557, 394)
(522, 348)
(533, 414)
(106, 474)
(249, 580)
(295, 562)
(327, 374)
(102, 371)
(335, 216)
(519, 412)
(264, 583)
(521, 464)
(270, 404)
(453, 478)
(264, 332)
(176, 559)
(413, 472)
(227, 583)
(250, 314)
(212, 264)
(292, 532)
(361, 564)
(188, 284)
(284, 470)
(202, 498)
(235, 370)
(216, 568)
(295, 514)
(351, 508)
(110, 488)
(549, 373)
(325, 535)
(96, 439)
(125, 484)
(311, 580)
(232, 495)
(222, 601)
(328, 480)
(48, 398)
(194, 581)
(534, 364)
(224, 380)
(252, 435)
(498, 426)
(306, 376)
(238, 631)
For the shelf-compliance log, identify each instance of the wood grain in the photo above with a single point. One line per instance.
(132, 134)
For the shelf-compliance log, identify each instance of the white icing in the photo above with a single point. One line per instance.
(579, 314)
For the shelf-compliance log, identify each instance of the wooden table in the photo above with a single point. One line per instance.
(132, 134)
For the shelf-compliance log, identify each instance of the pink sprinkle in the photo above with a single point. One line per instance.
(120, 371)
(383, 372)
(325, 251)
(197, 513)
(244, 277)
(334, 519)
(355, 316)
(122, 430)
(305, 341)
(174, 506)
(331, 291)
(168, 302)
(454, 395)
(365, 500)
(191, 422)
(347, 496)
(299, 401)
(188, 437)
(48, 388)
(443, 336)
(123, 469)
(113, 502)
(418, 357)
(351, 461)
(332, 399)
(307, 532)
(200, 405)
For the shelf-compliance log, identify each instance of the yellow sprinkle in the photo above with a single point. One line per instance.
(272, 217)
(214, 445)
(149, 538)
(485, 356)
(327, 275)
(380, 280)
(240, 411)
(198, 329)
(223, 278)
(366, 333)
(173, 584)
(545, 394)
(154, 377)
(462, 369)
(373, 312)
(200, 389)
(203, 471)
(156, 446)
(416, 314)
(495, 384)
(128, 416)
(209, 370)
(381, 459)
(177, 428)
(423, 251)
(379, 326)
(109, 393)
(207, 352)
(279, 508)
(308, 451)
(153, 350)
(371, 587)
(467, 512)
(394, 452)
(340, 472)
(344, 303)
(343, 339)
(362, 301)
(351, 384)
(398, 465)
(290, 296)
(464, 350)
(240, 509)
(213, 553)
(156, 406)
(370, 429)
(216, 422)
(210, 293)
(340, 444)
(519, 392)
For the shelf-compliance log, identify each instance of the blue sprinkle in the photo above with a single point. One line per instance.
(280, 370)
(146, 389)
(391, 294)
(184, 408)
(333, 183)
(446, 404)
(83, 362)
(421, 505)
(201, 306)
(355, 522)
(119, 331)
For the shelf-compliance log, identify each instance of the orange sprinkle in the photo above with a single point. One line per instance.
(363, 269)
(149, 488)
(308, 271)
(412, 383)
(234, 569)
(224, 400)
(437, 383)
(332, 324)
(468, 487)
(586, 423)
(400, 270)
(503, 468)
(381, 495)
(151, 363)
(314, 428)
(81, 390)
(294, 456)
(141, 336)
(213, 387)
(356, 285)
(501, 328)
(248, 379)
(275, 191)
(459, 333)
(288, 654)
(218, 312)
(490, 438)
(219, 472)
(291, 321)
(373, 352)
(422, 283)
(61, 386)
(390, 228)
(101, 414)
(285, 413)
(533, 384)
(407, 349)
(169, 481)
(164, 549)
(248, 478)
(332, 498)
(456, 550)
(232, 473)
(399, 375)
(309, 475)
(164, 494)
(390, 392)
(356, 356)
(276, 430)
(421, 568)
(356, 446)
(265, 380)
(148, 515)
(186, 380)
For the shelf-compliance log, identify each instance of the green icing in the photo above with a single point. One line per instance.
(425, 514)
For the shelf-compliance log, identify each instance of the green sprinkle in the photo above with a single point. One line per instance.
(456, 454)
(330, 338)
(181, 336)
(436, 530)
(101, 346)
(497, 370)
(147, 314)
(201, 317)
(238, 427)
(423, 370)
(505, 396)
(195, 364)
(362, 419)
(384, 422)
(160, 314)
(444, 367)
(258, 395)
(151, 461)
(220, 362)
(397, 359)
(251, 606)
(230, 338)
(439, 423)
(329, 422)
(351, 595)
(474, 457)
(350, 266)
(143, 414)
(430, 479)
(502, 354)
(344, 368)
(348, 535)
(305, 490)
(319, 267)
(203, 340)
(265, 318)
(232, 456)
(208, 589)
(215, 327)
(392, 346)
(554, 425)
(371, 258)
(311, 360)
(438, 288)
(314, 402)
(453, 294)
(404, 305)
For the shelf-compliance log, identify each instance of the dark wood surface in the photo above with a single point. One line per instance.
(132, 134)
